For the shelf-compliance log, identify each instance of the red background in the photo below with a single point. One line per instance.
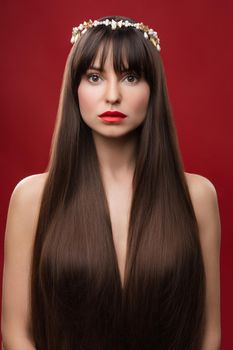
(196, 47)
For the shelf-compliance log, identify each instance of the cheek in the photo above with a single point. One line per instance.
(83, 97)
(88, 98)
(140, 100)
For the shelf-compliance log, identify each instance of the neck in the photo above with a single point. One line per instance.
(116, 156)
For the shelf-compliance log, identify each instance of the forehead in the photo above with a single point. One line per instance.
(106, 56)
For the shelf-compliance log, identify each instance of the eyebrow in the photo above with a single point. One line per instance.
(102, 70)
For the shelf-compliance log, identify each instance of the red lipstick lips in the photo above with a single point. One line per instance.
(112, 116)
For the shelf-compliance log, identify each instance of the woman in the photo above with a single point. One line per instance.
(120, 247)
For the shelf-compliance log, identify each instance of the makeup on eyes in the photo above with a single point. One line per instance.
(125, 74)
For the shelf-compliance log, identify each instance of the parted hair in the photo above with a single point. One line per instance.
(77, 298)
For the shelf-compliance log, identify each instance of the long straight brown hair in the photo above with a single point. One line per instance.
(77, 299)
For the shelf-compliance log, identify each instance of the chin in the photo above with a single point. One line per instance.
(112, 131)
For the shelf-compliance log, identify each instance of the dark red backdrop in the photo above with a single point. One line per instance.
(196, 42)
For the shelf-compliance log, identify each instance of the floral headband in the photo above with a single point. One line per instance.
(148, 33)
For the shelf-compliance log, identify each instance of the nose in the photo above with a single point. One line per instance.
(113, 91)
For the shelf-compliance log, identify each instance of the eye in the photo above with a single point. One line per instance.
(93, 77)
(131, 78)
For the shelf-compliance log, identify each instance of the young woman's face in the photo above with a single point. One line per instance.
(100, 92)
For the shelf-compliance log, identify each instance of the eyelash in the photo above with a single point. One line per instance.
(128, 75)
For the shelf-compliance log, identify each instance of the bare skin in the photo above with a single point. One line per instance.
(115, 147)
(25, 203)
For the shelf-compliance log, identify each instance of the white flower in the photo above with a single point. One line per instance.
(114, 24)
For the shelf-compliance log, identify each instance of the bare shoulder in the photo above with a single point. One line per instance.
(21, 224)
(25, 201)
(31, 185)
(30, 189)
(200, 185)
(205, 201)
